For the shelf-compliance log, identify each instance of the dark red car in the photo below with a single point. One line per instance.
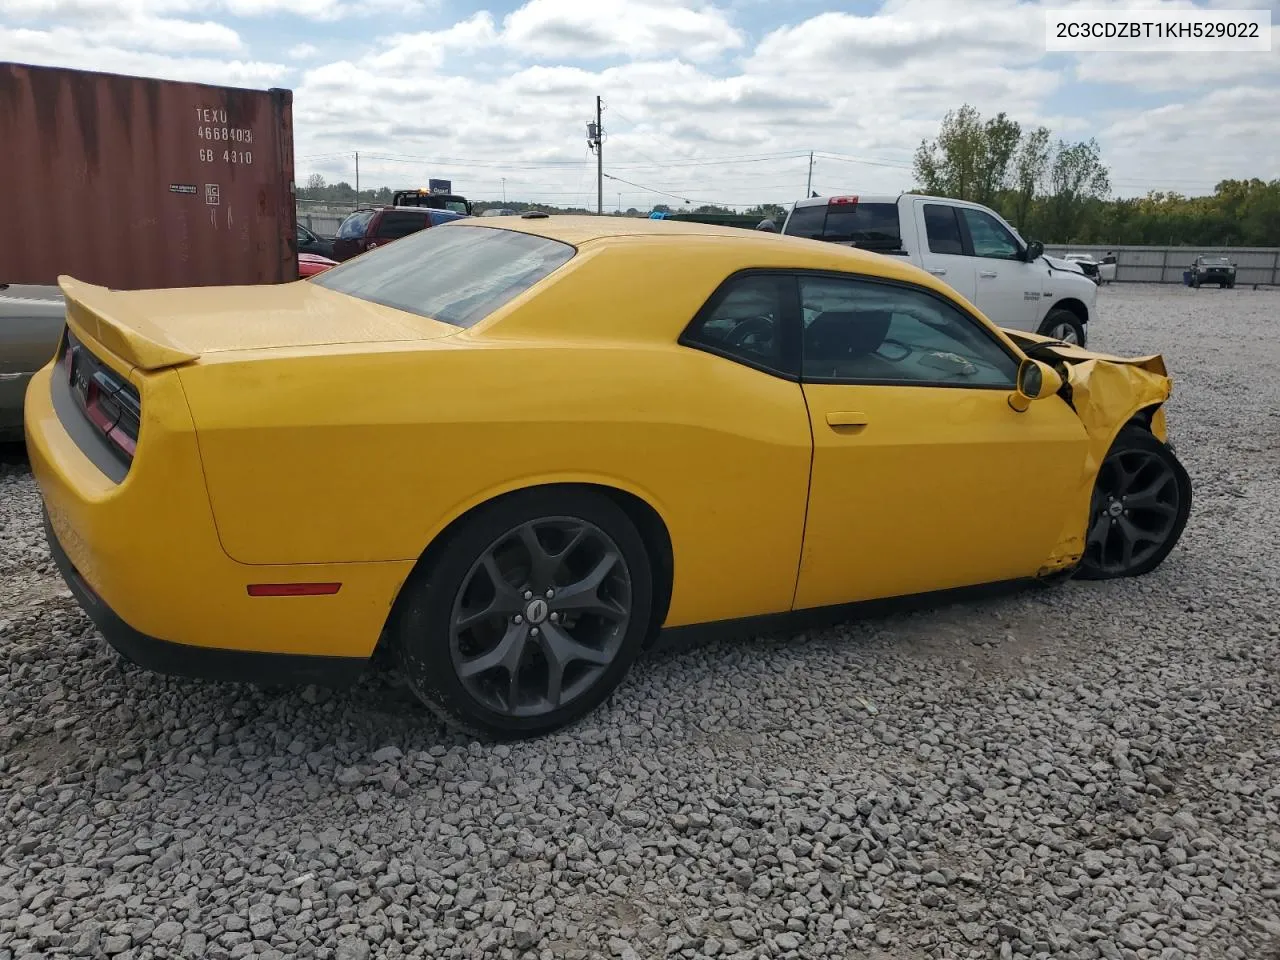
(369, 228)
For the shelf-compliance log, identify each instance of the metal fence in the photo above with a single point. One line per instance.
(1166, 264)
(323, 223)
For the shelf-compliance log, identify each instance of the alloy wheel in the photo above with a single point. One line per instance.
(1064, 332)
(1134, 510)
(541, 614)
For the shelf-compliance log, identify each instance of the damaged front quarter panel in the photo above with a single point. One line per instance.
(1107, 392)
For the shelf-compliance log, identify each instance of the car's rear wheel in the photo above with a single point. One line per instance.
(531, 615)
(1141, 501)
(1063, 325)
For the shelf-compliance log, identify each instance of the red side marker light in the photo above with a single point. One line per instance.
(293, 589)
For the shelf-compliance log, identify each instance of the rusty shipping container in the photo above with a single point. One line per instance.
(135, 183)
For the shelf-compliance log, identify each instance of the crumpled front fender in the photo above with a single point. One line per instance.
(1106, 392)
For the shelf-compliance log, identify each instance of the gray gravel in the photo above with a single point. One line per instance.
(1088, 771)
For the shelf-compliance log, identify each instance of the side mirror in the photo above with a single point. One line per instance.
(1036, 381)
(1034, 251)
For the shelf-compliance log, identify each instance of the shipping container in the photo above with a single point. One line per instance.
(135, 183)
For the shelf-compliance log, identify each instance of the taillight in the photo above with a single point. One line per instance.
(108, 401)
(836, 200)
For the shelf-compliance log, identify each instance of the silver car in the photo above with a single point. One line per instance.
(31, 320)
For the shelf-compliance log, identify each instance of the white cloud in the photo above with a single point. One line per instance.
(575, 29)
(302, 51)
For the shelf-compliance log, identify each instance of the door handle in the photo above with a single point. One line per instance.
(939, 272)
(989, 274)
(846, 418)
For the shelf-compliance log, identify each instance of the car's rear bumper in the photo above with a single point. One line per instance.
(205, 663)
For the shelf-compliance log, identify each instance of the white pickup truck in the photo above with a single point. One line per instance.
(969, 247)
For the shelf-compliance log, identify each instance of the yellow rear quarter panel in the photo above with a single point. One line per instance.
(148, 546)
(323, 473)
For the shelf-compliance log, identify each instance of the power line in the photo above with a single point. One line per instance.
(674, 196)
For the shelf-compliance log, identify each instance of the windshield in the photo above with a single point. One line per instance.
(1218, 260)
(353, 227)
(454, 273)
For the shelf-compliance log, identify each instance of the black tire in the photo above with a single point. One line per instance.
(1195, 283)
(1231, 285)
(1059, 317)
(423, 628)
(1157, 509)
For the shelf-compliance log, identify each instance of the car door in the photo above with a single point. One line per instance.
(924, 478)
(742, 376)
(1008, 288)
(942, 252)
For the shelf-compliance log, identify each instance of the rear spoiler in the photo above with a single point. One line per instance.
(95, 312)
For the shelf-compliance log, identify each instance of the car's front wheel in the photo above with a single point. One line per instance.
(530, 616)
(1141, 501)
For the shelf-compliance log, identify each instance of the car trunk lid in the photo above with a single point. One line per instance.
(154, 329)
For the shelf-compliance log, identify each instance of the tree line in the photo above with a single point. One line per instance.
(1060, 192)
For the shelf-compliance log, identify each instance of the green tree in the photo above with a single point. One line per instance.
(1030, 168)
(970, 157)
(1077, 177)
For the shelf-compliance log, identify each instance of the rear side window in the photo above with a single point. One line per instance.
(395, 224)
(870, 226)
(943, 229)
(354, 226)
(457, 274)
(807, 221)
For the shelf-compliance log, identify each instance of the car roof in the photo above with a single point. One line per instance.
(862, 198)
(753, 246)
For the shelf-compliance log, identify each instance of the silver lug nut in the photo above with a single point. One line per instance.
(550, 594)
(528, 594)
(534, 631)
(518, 619)
(555, 618)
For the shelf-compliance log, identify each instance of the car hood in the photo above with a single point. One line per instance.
(160, 328)
(1067, 266)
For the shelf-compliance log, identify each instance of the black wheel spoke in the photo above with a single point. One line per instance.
(542, 564)
(506, 597)
(1098, 532)
(584, 595)
(506, 654)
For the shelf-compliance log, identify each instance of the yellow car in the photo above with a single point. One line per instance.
(511, 450)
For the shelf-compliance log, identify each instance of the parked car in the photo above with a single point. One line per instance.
(970, 247)
(313, 243)
(1107, 267)
(1219, 270)
(309, 264)
(31, 322)
(498, 212)
(1090, 266)
(371, 227)
(441, 444)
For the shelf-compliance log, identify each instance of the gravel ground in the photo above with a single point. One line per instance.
(1086, 771)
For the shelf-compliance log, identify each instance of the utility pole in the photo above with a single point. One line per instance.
(595, 140)
(504, 191)
(808, 187)
(357, 179)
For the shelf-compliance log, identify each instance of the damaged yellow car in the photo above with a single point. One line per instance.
(511, 452)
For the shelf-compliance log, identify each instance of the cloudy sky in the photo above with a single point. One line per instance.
(715, 101)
